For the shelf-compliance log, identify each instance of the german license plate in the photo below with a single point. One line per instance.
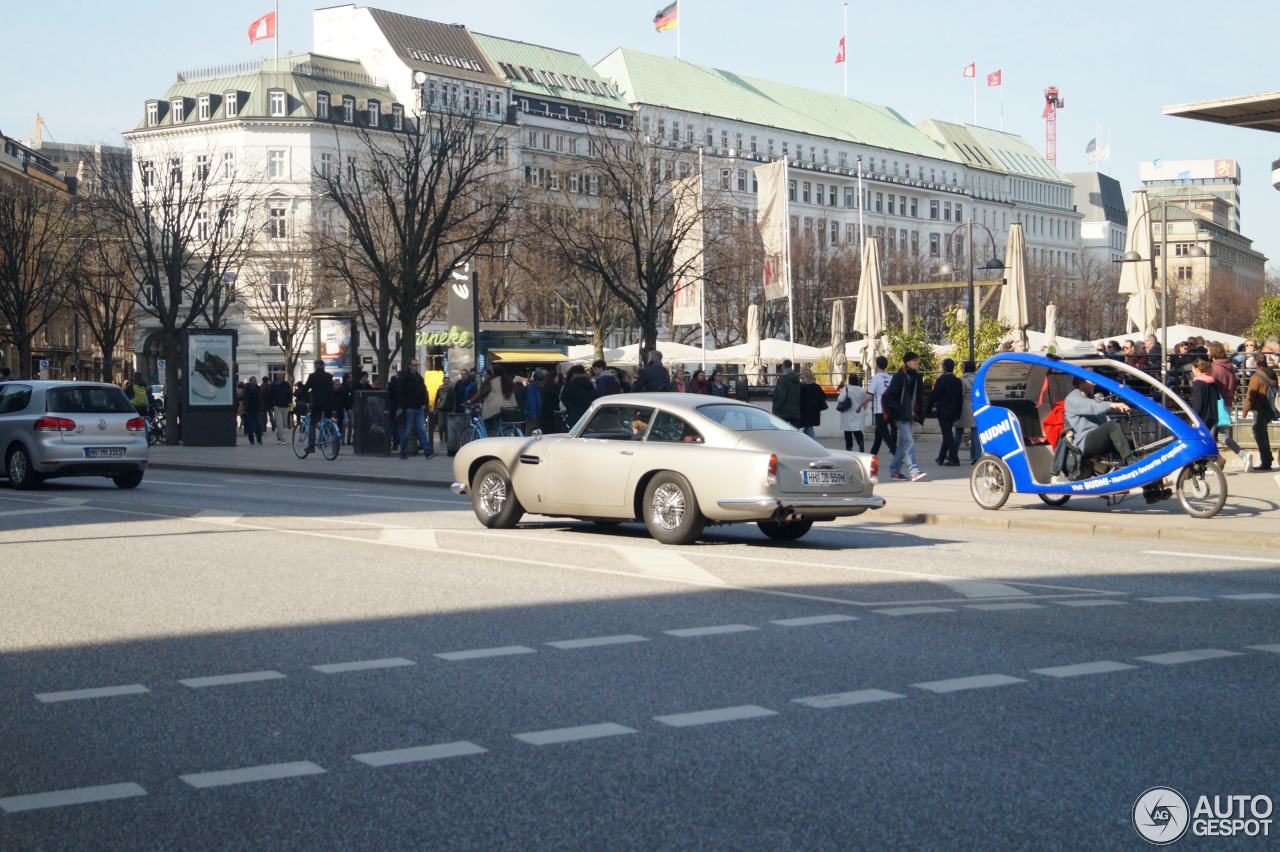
(823, 477)
(104, 452)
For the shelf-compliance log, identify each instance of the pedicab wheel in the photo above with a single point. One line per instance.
(990, 482)
(1055, 499)
(1201, 489)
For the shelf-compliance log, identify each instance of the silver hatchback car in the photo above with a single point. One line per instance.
(50, 429)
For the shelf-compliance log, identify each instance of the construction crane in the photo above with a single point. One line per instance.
(1052, 103)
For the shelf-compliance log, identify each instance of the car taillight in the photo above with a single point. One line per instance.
(54, 424)
(136, 424)
(772, 477)
(875, 466)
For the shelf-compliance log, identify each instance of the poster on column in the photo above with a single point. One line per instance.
(209, 360)
(687, 299)
(335, 345)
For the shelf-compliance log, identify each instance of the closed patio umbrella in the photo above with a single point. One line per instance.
(753, 341)
(1135, 278)
(1050, 326)
(868, 313)
(1013, 296)
(838, 362)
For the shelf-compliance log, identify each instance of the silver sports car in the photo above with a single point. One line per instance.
(675, 461)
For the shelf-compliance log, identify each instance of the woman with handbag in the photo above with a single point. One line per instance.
(1224, 376)
(854, 405)
(1207, 402)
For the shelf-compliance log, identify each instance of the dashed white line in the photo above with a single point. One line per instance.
(959, 684)
(1173, 599)
(1177, 657)
(568, 735)
(710, 631)
(597, 641)
(418, 754)
(480, 653)
(1252, 596)
(362, 665)
(1079, 669)
(1270, 649)
(1220, 558)
(847, 699)
(1001, 607)
(77, 796)
(42, 510)
(912, 610)
(1091, 602)
(811, 620)
(709, 717)
(84, 694)
(250, 774)
(150, 481)
(226, 680)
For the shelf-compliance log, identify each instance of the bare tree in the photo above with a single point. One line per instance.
(180, 234)
(104, 296)
(417, 206)
(284, 289)
(41, 248)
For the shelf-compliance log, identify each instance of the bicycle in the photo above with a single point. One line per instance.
(155, 428)
(506, 428)
(328, 438)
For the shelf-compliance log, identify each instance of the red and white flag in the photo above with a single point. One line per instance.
(971, 70)
(994, 78)
(263, 28)
(840, 52)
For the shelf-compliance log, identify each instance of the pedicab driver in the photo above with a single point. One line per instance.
(1087, 418)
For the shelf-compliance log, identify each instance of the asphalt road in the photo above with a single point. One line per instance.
(262, 663)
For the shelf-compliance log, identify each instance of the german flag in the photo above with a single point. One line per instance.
(667, 18)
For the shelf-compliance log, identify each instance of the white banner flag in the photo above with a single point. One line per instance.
(687, 302)
(771, 218)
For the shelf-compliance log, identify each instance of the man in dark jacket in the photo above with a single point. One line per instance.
(813, 401)
(654, 377)
(577, 395)
(786, 395)
(319, 388)
(393, 409)
(281, 396)
(606, 381)
(902, 401)
(947, 401)
(252, 400)
(413, 399)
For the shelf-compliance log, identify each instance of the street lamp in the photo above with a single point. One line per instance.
(1134, 257)
(992, 265)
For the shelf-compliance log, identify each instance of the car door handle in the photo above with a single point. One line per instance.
(628, 452)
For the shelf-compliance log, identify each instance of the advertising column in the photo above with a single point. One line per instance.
(463, 318)
(208, 396)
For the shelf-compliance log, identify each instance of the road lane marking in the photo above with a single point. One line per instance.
(251, 774)
(810, 620)
(1176, 657)
(568, 735)
(847, 699)
(363, 665)
(218, 516)
(1002, 607)
(480, 653)
(1172, 599)
(1270, 649)
(685, 632)
(654, 562)
(69, 501)
(97, 692)
(77, 796)
(1220, 558)
(456, 503)
(960, 684)
(1251, 596)
(225, 680)
(710, 717)
(912, 610)
(1083, 603)
(984, 589)
(422, 539)
(418, 754)
(1080, 669)
(9, 513)
(595, 641)
(178, 484)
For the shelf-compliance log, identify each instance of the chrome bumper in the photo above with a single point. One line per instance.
(458, 488)
(810, 503)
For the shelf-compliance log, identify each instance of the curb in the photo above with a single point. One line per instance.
(235, 470)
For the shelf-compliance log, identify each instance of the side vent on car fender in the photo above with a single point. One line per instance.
(530, 460)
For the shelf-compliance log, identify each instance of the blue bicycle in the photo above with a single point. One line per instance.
(508, 425)
(328, 437)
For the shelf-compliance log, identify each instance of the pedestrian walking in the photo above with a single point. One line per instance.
(321, 401)
(346, 401)
(444, 404)
(886, 429)
(393, 404)
(252, 400)
(902, 404)
(281, 395)
(813, 401)
(577, 395)
(786, 395)
(1260, 401)
(1224, 377)
(413, 401)
(549, 409)
(497, 395)
(966, 421)
(654, 376)
(266, 413)
(854, 404)
(946, 401)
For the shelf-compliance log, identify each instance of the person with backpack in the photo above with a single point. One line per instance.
(1260, 401)
(854, 405)
(886, 429)
(786, 395)
(813, 401)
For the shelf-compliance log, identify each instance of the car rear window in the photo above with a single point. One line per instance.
(743, 418)
(87, 399)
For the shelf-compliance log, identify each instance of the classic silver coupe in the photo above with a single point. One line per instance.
(675, 461)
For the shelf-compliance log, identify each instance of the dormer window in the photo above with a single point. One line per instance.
(231, 100)
(202, 107)
(375, 114)
(276, 103)
(397, 116)
(178, 110)
(153, 113)
(348, 109)
(322, 106)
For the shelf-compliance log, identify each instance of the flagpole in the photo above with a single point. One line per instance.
(862, 237)
(975, 97)
(786, 249)
(275, 64)
(1001, 100)
(844, 42)
(677, 29)
(702, 269)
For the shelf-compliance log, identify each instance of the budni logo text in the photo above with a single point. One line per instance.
(998, 429)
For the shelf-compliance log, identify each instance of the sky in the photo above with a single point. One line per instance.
(88, 66)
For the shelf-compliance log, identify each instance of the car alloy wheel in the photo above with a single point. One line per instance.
(492, 494)
(18, 470)
(668, 506)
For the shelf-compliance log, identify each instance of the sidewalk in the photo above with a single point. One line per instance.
(1251, 517)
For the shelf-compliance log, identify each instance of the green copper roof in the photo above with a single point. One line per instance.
(992, 149)
(576, 73)
(675, 84)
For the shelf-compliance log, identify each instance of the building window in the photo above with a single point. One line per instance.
(935, 245)
(276, 102)
(351, 168)
(228, 165)
(879, 208)
(277, 165)
(202, 167)
(892, 203)
(348, 109)
(724, 178)
(848, 197)
(202, 225)
(754, 145)
(326, 165)
(202, 106)
(278, 286)
(791, 190)
(276, 229)
(724, 139)
(835, 232)
(375, 114)
(946, 211)
(231, 104)
(933, 209)
(959, 212)
(153, 113)
(177, 108)
(915, 208)
(593, 185)
(397, 117)
(915, 242)
(273, 337)
(322, 106)
(742, 180)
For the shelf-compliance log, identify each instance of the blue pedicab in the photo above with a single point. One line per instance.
(1014, 393)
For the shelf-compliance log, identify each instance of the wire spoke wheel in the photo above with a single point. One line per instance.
(492, 493)
(1055, 499)
(668, 506)
(332, 441)
(990, 483)
(300, 440)
(1201, 489)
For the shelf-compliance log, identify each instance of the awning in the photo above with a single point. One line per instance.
(529, 356)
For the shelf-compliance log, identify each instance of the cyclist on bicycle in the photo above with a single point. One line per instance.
(140, 395)
(497, 393)
(319, 390)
